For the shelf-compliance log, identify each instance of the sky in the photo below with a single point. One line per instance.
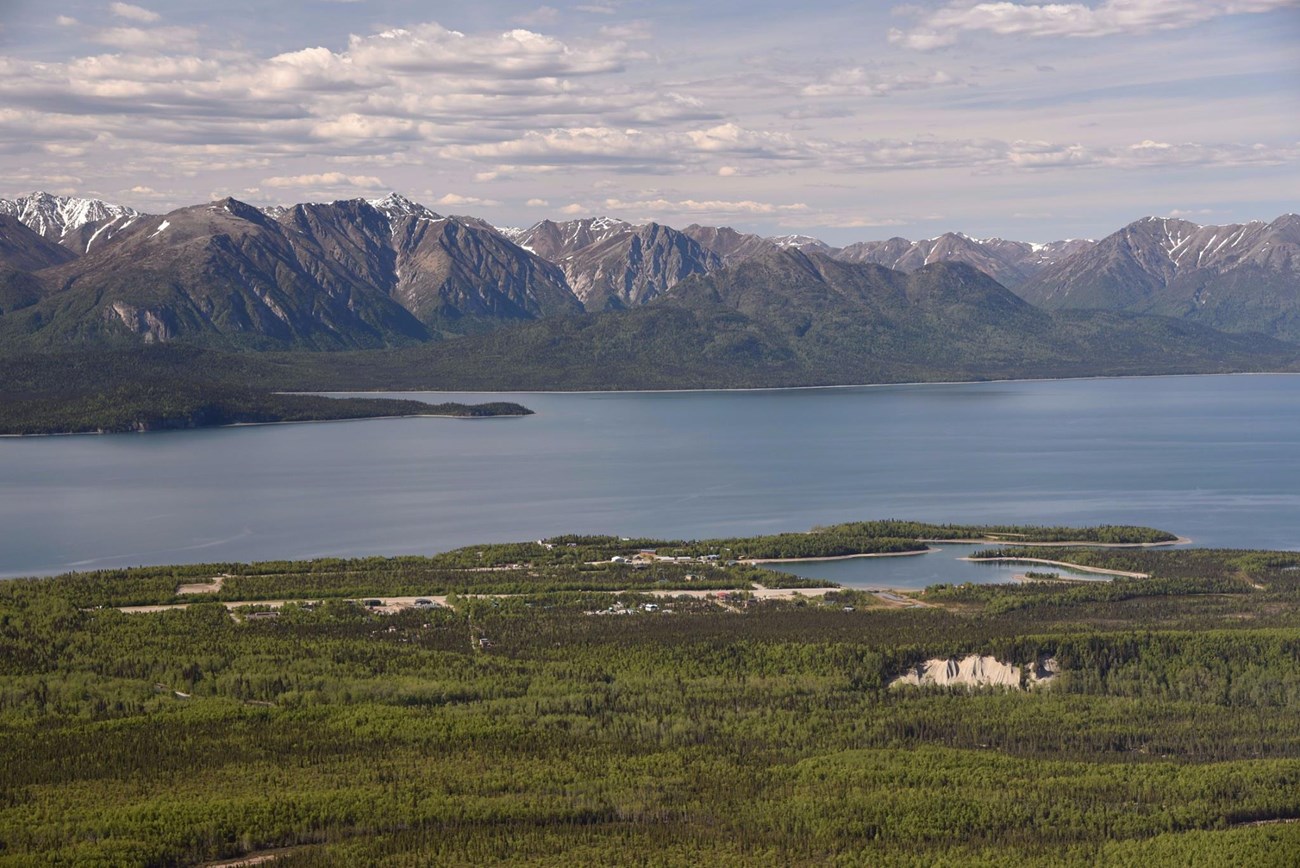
(843, 120)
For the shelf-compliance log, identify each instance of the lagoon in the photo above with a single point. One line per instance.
(1214, 458)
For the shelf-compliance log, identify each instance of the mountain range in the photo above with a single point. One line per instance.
(1239, 277)
(389, 272)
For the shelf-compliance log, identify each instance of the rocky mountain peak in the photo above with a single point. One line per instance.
(58, 217)
(801, 242)
(396, 205)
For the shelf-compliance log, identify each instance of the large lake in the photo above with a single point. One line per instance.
(1215, 458)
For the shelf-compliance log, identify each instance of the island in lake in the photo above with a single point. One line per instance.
(581, 699)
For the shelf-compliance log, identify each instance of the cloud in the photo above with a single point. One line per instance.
(1110, 18)
(610, 147)
(134, 13)
(516, 53)
(155, 39)
(540, 15)
(861, 82)
(632, 31)
(455, 199)
(660, 207)
(325, 179)
(65, 21)
(537, 203)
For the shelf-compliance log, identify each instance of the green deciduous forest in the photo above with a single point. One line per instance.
(564, 709)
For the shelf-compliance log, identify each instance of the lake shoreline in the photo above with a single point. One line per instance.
(1078, 544)
(793, 388)
(278, 422)
(924, 551)
(1063, 564)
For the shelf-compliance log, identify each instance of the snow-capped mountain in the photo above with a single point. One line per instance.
(806, 243)
(74, 222)
(611, 263)
(373, 272)
(1238, 277)
(1011, 263)
(396, 205)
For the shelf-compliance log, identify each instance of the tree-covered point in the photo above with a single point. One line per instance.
(168, 388)
(1109, 534)
(555, 728)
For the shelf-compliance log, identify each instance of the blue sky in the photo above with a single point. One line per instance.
(848, 121)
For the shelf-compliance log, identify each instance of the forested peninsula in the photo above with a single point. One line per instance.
(150, 390)
(600, 700)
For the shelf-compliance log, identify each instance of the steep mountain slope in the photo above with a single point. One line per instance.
(731, 246)
(76, 223)
(787, 318)
(1010, 263)
(611, 264)
(554, 241)
(1240, 277)
(23, 249)
(222, 272)
(320, 276)
(804, 243)
(462, 277)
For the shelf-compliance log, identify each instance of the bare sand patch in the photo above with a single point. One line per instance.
(976, 671)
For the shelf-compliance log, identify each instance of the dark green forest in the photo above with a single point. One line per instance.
(166, 388)
(531, 725)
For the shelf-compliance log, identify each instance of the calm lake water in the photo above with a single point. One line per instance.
(1215, 458)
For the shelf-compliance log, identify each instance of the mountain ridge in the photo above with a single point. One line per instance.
(389, 271)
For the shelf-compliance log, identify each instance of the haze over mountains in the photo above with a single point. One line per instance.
(390, 272)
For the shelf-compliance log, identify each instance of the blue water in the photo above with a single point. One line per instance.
(942, 565)
(1215, 458)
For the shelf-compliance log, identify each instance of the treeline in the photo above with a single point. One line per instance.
(863, 537)
(407, 576)
(1103, 534)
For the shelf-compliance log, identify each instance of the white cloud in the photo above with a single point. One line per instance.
(540, 15)
(134, 13)
(659, 207)
(65, 21)
(857, 81)
(325, 179)
(516, 53)
(1111, 17)
(455, 199)
(537, 203)
(158, 39)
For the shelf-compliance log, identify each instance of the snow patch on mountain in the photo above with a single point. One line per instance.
(55, 216)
